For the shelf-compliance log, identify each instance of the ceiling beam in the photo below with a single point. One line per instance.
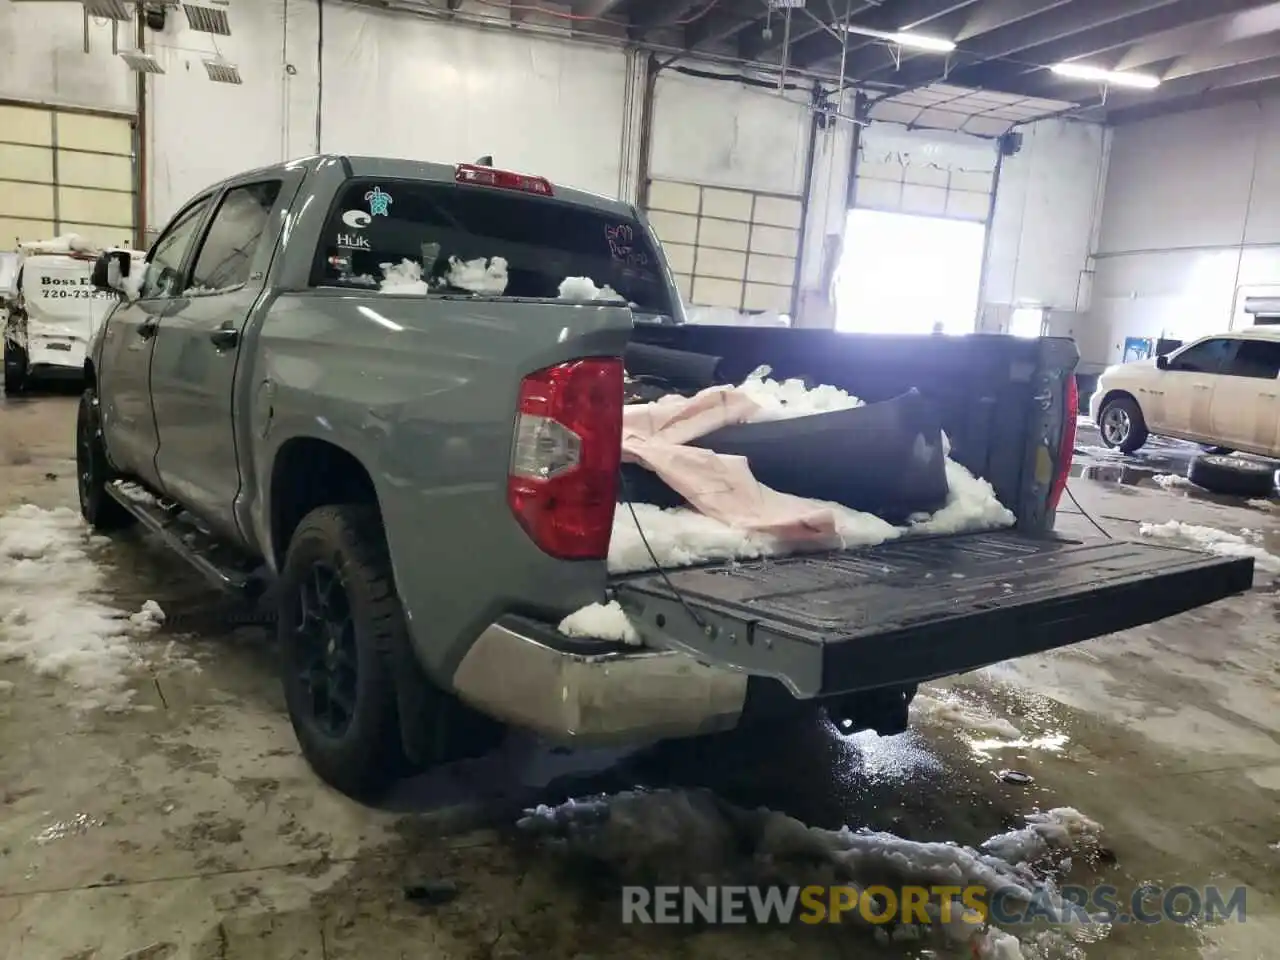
(994, 14)
(1103, 46)
(597, 8)
(1266, 83)
(1060, 23)
(717, 26)
(1224, 27)
(1246, 51)
(655, 14)
(805, 22)
(890, 16)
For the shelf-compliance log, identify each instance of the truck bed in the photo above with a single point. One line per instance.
(915, 610)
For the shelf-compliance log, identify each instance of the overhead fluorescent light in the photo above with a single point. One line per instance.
(1116, 78)
(110, 9)
(220, 71)
(140, 62)
(904, 38)
(204, 18)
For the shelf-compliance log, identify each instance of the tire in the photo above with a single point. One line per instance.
(99, 509)
(342, 699)
(1121, 425)
(1233, 476)
(15, 369)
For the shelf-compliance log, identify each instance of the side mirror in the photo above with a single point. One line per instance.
(1162, 362)
(111, 269)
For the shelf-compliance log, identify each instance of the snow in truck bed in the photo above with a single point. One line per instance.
(681, 537)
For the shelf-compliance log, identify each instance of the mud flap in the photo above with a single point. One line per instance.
(915, 610)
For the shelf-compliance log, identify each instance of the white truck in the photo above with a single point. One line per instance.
(52, 311)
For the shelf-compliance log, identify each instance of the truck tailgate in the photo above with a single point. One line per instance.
(914, 610)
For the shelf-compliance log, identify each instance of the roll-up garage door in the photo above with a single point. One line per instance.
(728, 248)
(924, 172)
(64, 171)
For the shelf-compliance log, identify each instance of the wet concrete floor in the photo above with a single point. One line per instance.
(185, 825)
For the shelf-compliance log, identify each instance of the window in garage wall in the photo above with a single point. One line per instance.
(64, 171)
(728, 248)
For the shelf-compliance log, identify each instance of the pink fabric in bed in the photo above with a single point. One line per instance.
(655, 435)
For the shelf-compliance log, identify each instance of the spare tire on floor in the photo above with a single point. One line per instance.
(1233, 476)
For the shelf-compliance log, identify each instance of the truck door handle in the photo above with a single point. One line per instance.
(225, 337)
(148, 329)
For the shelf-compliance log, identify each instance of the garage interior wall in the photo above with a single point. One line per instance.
(1043, 230)
(1190, 223)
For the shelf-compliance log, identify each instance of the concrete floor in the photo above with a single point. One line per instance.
(187, 826)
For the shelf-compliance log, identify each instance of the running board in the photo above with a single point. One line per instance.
(220, 565)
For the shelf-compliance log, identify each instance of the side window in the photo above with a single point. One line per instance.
(1206, 357)
(226, 256)
(1259, 359)
(164, 264)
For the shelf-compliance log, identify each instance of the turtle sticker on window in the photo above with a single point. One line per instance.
(379, 202)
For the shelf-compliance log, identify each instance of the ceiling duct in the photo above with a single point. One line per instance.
(203, 18)
(222, 72)
(140, 62)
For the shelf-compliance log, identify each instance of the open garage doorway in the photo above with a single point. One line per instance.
(901, 273)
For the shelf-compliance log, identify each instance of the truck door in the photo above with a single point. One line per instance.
(197, 351)
(1246, 397)
(128, 420)
(1188, 384)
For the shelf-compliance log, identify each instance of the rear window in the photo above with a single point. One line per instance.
(543, 240)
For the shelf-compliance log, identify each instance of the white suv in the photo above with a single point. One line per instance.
(1222, 391)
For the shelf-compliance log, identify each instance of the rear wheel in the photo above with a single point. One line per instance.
(338, 621)
(1233, 476)
(15, 369)
(1121, 424)
(99, 509)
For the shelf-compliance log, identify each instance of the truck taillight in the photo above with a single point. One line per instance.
(565, 456)
(503, 179)
(1067, 446)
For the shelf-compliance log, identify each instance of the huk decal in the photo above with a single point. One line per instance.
(352, 241)
(356, 219)
(379, 202)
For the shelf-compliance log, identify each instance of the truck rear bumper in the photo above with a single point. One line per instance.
(524, 673)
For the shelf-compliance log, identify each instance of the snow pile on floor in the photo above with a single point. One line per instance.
(1170, 481)
(1212, 540)
(695, 839)
(1062, 828)
(403, 279)
(584, 290)
(952, 712)
(480, 276)
(53, 613)
(601, 621)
